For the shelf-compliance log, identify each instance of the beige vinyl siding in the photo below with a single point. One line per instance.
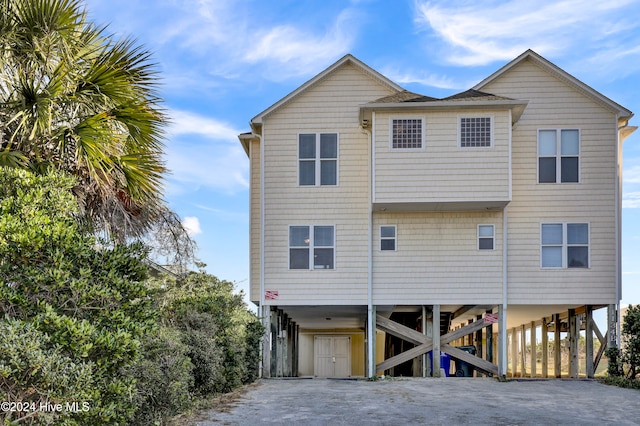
(254, 225)
(555, 104)
(330, 106)
(442, 171)
(437, 260)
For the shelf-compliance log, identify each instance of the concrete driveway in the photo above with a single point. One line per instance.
(445, 401)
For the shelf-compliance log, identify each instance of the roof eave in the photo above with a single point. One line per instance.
(530, 54)
(340, 62)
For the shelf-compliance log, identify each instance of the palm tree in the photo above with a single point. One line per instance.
(75, 99)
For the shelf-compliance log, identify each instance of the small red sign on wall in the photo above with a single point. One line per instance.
(271, 294)
(490, 318)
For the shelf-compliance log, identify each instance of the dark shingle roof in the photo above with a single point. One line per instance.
(471, 94)
(468, 95)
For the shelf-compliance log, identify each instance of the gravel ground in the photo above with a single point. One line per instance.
(431, 401)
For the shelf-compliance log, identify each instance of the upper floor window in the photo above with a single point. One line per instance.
(475, 132)
(486, 237)
(565, 245)
(311, 247)
(558, 156)
(407, 133)
(318, 159)
(388, 237)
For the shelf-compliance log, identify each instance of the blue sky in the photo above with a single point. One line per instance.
(224, 61)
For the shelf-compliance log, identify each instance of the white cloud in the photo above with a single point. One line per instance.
(484, 31)
(191, 225)
(204, 152)
(185, 123)
(631, 186)
(302, 50)
(423, 78)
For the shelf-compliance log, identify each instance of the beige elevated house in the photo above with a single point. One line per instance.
(386, 224)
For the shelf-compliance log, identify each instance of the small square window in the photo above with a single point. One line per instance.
(475, 132)
(486, 237)
(388, 238)
(407, 133)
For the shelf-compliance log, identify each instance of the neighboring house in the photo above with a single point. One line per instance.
(383, 221)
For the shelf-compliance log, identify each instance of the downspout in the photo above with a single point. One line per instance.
(263, 314)
(502, 331)
(618, 225)
(371, 332)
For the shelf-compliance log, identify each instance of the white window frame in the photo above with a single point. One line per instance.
(558, 155)
(565, 245)
(466, 116)
(317, 160)
(493, 236)
(311, 246)
(394, 238)
(423, 138)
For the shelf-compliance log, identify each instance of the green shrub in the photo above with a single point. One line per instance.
(163, 378)
(221, 333)
(631, 341)
(87, 301)
(35, 373)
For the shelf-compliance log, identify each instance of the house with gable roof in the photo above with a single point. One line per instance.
(387, 226)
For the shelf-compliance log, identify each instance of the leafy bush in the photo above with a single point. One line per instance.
(221, 333)
(631, 341)
(87, 302)
(163, 377)
(33, 372)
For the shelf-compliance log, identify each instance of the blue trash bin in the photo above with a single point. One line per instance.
(445, 362)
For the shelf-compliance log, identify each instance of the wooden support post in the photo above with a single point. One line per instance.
(523, 357)
(514, 352)
(488, 333)
(573, 344)
(545, 348)
(557, 362)
(534, 350)
(612, 326)
(266, 342)
(425, 358)
(589, 366)
(435, 352)
(501, 344)
(478, 340)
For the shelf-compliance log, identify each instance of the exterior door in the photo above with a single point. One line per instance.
(332, 356)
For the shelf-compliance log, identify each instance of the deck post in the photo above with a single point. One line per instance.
(489, 340)
(545, 348)
(589, 342)
(534, 350)
(523, 354)
(266, 342)
(557, 367)
(435, 352)
(573, 344)
(612, 326)
(514, 352)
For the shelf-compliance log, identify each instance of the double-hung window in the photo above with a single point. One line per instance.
(311, 247)
(565, 245)
(475, 132)
(486, 237)
(388, 238)
(318, 159)
(559, 156)
(407, 133)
